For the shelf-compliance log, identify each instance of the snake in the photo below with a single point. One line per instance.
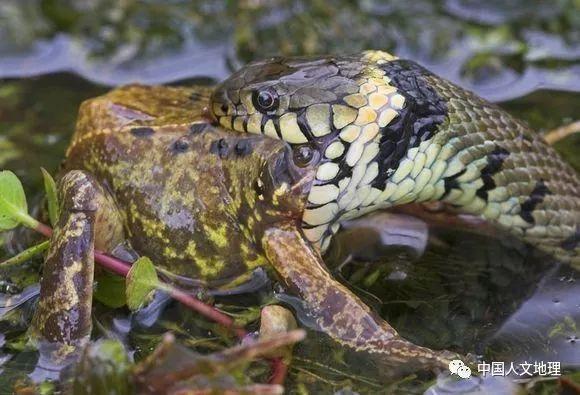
(384, 131)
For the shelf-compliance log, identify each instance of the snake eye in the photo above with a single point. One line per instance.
(265, 100)
(304, 155)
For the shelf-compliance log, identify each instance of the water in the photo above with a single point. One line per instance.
(469, 293)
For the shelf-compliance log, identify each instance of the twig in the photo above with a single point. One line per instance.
(555, 135)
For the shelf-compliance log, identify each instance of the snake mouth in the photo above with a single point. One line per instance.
(218, 104)
(223, 112)
(208, 115)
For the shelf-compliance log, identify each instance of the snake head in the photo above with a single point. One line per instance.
(300, 99)
(335, 107)
(284, 97)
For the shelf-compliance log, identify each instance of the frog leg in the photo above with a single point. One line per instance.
(88, 217)
(337, 311)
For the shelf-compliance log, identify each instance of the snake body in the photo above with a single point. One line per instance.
(385, 131)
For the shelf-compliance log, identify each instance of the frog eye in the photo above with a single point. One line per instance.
(265, 100)
(305, 155)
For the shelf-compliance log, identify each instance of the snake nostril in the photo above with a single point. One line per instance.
(224, 108)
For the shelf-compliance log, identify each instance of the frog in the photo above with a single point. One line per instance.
(148, 170)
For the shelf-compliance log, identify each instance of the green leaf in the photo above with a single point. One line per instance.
(110, 289)
(51, 196)
(26, 254)
(372, 278)
(12, 201)
(47, 388)
(141, 281)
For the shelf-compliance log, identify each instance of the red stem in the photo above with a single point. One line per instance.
(114, 265)
(44, 230)
(279, 371)
(206, 310)
(122, 268)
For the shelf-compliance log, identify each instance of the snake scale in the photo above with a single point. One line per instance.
(384, 131)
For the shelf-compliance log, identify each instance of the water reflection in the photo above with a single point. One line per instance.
(492, 297)
(546, 326)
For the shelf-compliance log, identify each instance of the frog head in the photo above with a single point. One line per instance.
(333, 108)
(269, 181)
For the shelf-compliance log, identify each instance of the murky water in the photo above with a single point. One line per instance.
(474, 294)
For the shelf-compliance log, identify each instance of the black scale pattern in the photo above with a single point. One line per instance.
(424, 110)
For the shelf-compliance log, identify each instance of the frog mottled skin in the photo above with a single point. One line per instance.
(145, 169)
(164, 170)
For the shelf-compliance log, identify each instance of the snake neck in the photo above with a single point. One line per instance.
(384, 154)
(418, 138)
(388, 132)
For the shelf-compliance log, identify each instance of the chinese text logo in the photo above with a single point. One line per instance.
(459, 368)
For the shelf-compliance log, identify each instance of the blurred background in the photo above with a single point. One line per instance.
(503, 50)
(467, 293)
